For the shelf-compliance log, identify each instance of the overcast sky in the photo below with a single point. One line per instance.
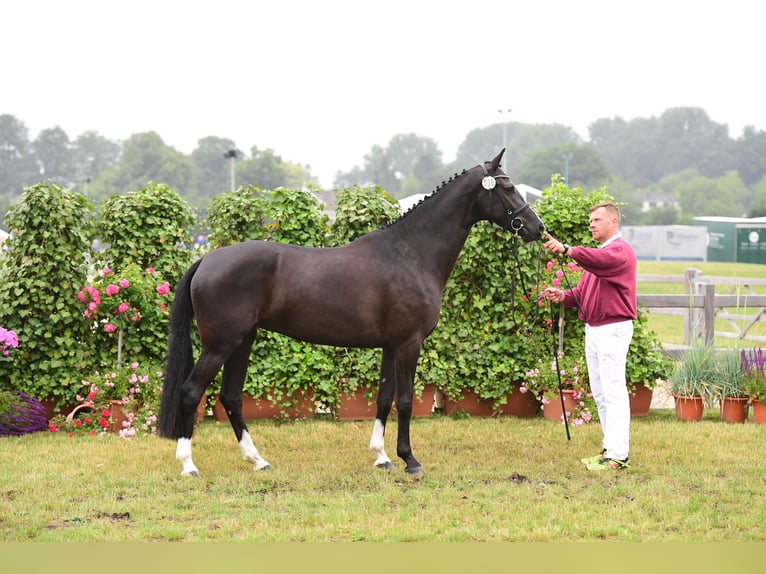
(321, 82)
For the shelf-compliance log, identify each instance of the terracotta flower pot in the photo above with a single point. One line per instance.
(470, 404)
(259, 408)
(689, 408)
(640, 400)
(759, 412)
(552, 409)
(519, 404)
(734, 410)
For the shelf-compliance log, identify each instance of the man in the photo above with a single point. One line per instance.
(606, 299)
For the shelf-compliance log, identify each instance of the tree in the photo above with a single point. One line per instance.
(145, 157)
(410, 163)
(700, 195)
(17, 163)
(750, 151)
(758, 204)
(53, 153)
(213, 169)
(644, 150)
(92, 154)
(267, 170)
(583, 164)
(522, 140)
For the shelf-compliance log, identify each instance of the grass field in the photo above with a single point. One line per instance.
(488, 480)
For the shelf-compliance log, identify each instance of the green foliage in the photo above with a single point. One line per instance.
(361, 210)
(237, 216)
(149, 227)
(646, 362)
(695, 374)
(730, 380)
(45, 267)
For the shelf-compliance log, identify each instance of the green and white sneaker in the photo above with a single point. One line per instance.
(609, 464)
(593, 459)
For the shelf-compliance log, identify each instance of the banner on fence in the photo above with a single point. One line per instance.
(667, 242)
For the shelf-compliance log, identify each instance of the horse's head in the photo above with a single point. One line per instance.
(501, 203)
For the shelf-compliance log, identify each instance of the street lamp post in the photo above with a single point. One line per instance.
(232, 155)
(566, 157)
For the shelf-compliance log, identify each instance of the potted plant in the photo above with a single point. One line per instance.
(125, 401)
(753, 362)
(691, 382)
(729, 387)
(570, 370)
(646, 365)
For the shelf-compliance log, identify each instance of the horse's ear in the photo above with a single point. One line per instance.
(498, 157)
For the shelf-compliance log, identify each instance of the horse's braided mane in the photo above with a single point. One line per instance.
(426, 198)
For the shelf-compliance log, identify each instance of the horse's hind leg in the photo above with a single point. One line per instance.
(384, 401)
(192, 390)
(234, 373)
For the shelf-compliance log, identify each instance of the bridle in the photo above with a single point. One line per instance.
(514, 222)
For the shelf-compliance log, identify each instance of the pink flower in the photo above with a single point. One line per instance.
(150, 270)
(109, 328)
(163, 288)
(105, 271)
(112, 289)
(124, 283)
(123, 308)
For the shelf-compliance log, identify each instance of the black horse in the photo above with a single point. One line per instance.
(383, 290)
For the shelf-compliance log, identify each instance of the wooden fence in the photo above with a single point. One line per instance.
(701, 306)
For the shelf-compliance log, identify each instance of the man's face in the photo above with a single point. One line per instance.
(602, 225)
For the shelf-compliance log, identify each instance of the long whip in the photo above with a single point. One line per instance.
(558, 371)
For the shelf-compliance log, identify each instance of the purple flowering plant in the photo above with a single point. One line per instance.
(753, 365)
(9, 341)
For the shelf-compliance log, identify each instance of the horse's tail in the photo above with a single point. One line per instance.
(180, 360)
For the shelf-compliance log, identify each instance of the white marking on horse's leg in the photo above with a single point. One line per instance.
(250, 453)
(377, 444)
(184, 454)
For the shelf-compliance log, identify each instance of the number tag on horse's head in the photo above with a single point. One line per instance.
(488, 182)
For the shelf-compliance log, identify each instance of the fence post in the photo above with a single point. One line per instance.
(691, 324)
(709, 311)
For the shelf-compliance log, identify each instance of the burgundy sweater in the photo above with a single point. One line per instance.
(606, 291)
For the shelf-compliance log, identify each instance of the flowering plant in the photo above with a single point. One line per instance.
(8, 340)
(753, 364)
(126, 302)
(134, 391)
(20, 414)
(556, 272)
(85, 419)
(543, 381)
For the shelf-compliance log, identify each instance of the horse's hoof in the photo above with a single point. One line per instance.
(415, 470)
(263, 468)
(388, 465)
(193, 473)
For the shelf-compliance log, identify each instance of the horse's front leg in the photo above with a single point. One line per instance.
(406, 363)
(384, 401)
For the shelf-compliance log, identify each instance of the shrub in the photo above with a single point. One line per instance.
(45, 265)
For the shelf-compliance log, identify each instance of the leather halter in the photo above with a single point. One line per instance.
(514, 222)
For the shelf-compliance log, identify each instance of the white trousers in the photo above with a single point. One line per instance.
(606, 352)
